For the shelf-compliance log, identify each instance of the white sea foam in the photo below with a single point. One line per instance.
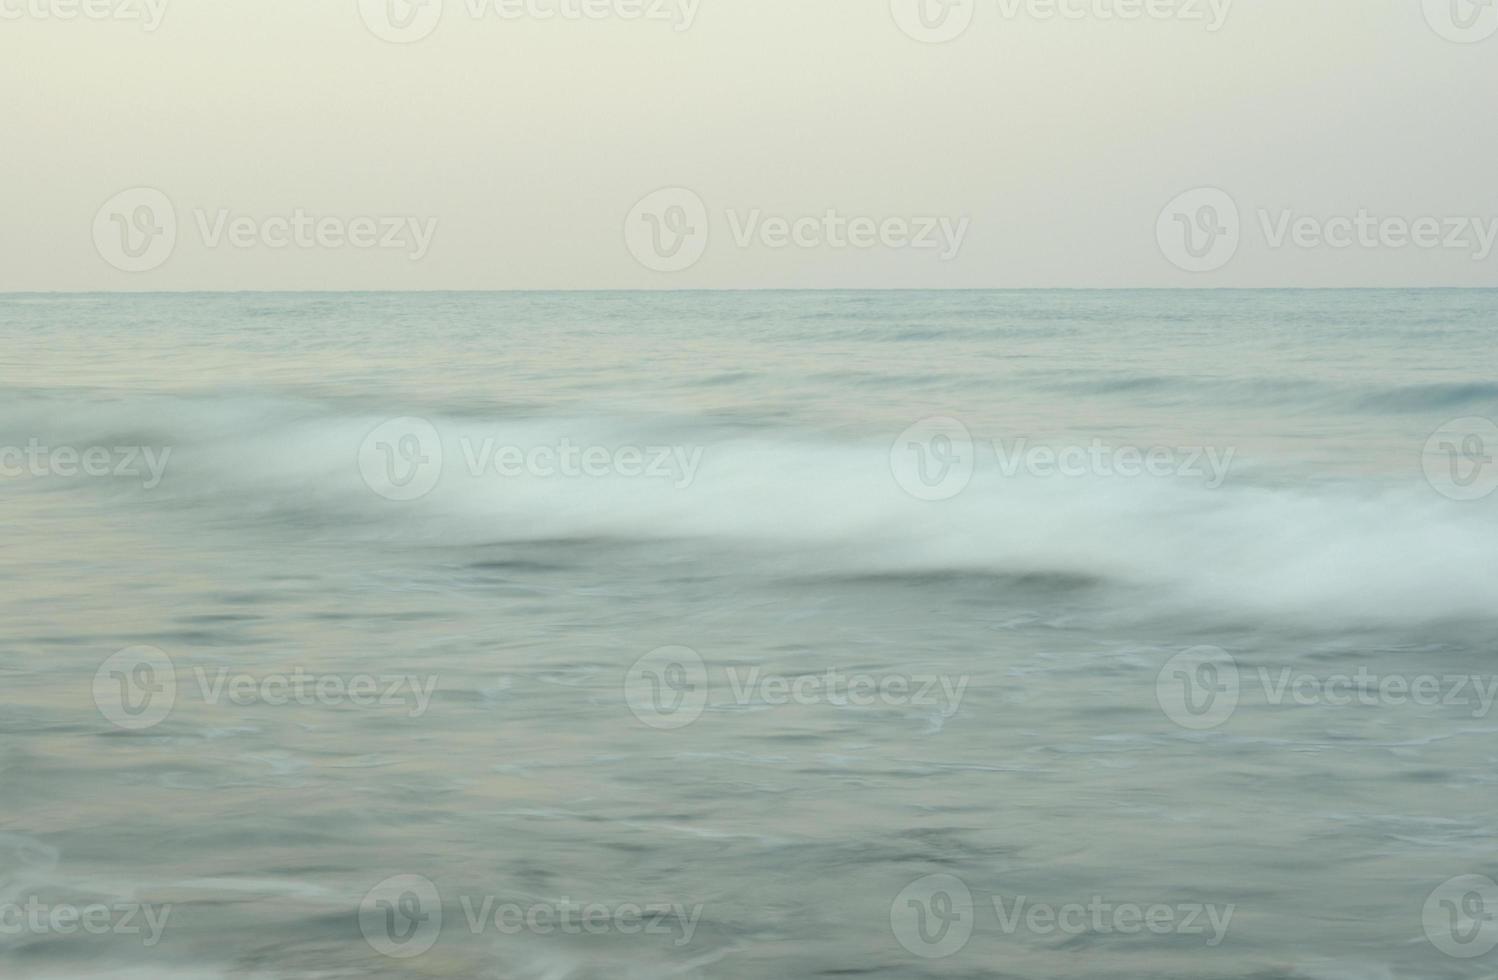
(1388, 550)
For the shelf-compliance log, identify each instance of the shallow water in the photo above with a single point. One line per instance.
(738, 679)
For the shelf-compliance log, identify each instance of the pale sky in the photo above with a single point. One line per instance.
(499, 148)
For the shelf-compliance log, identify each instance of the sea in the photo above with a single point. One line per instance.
(857, 634)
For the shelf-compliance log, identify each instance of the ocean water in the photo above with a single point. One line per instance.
(749, 635)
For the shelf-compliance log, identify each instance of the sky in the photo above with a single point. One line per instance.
(688, 144)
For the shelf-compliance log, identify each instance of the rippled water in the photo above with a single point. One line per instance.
(330, 672)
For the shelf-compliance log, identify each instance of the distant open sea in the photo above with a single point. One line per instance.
(540, 636)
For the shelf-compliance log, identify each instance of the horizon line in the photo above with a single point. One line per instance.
(735, 289)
